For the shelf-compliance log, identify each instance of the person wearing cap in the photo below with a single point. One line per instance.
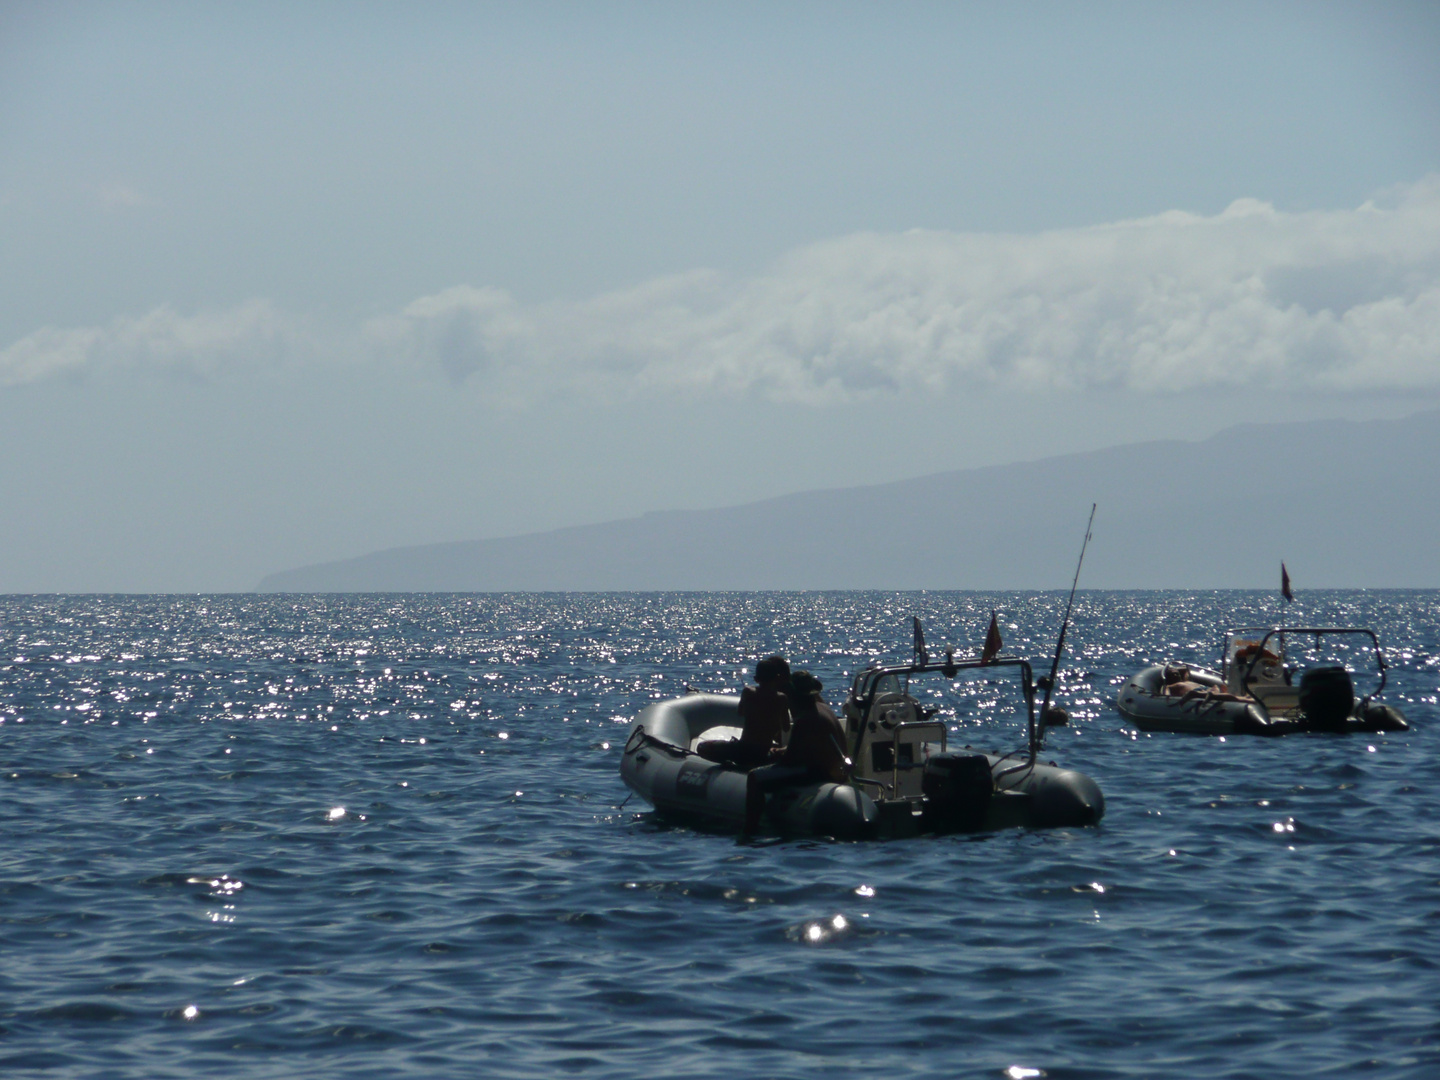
(815, 753)
(765, 718)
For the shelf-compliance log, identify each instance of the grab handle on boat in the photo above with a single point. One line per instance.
(884, 787)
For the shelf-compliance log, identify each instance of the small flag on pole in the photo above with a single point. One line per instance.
(992, 642)
(920, 653)
(1285, 583)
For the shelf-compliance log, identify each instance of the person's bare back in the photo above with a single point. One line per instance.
(765, 716)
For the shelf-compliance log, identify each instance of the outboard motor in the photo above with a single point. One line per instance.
(957, 791)
(1326, 698)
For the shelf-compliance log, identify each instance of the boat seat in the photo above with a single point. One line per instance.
(1266, 676)
(1277, 697)
(719, 731)
(1267, 684)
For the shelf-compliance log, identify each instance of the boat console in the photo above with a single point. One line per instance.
(902, 757)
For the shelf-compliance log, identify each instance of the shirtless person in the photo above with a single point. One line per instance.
(764, 716)
(1176, 682)
(815, 753)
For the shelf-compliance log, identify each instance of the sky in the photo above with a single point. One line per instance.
(288, 283)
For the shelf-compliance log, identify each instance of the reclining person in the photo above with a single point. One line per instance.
(815, 752)
(1176, 682)
(764, 716)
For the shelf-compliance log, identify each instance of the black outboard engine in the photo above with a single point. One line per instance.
(957, 791)
(1326, 698)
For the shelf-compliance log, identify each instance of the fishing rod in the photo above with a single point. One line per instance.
(1038, 735)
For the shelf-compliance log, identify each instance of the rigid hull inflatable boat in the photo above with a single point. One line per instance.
(1257, 692)
(906, 779)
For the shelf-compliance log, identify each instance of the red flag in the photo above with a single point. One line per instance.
(1285, 583)
(992, 642)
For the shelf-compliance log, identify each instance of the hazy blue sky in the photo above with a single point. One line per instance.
(287, 283)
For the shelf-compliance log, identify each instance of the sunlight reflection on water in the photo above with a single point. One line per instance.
(362, 836)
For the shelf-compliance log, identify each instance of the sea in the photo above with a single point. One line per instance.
(386, 836)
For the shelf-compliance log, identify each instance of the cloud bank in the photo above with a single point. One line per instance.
(1332, 301)
(252, 334)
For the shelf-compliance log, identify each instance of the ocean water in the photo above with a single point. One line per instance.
(385, 836)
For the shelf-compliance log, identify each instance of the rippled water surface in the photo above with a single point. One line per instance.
(384, 836)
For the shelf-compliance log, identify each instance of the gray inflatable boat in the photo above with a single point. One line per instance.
(906, 778)
(1260, 689)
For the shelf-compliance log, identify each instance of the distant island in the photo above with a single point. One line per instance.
(1347, 504)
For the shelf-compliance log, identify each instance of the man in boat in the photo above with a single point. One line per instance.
(764, 717)
(815, 753)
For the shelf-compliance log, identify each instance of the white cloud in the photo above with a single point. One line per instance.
(1332, 301)
(250, 334)
(1251, 297)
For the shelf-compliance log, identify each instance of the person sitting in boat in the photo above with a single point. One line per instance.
(764, 716)
(1177, 682)
(815, 753)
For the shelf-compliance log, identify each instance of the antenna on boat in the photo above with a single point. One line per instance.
(1037, 733)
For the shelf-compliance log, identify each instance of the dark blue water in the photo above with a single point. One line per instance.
(383, 836)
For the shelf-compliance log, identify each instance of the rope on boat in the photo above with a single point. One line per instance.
(639, 737)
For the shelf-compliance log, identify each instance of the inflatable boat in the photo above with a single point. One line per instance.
(906, 778)
(1260, 691)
